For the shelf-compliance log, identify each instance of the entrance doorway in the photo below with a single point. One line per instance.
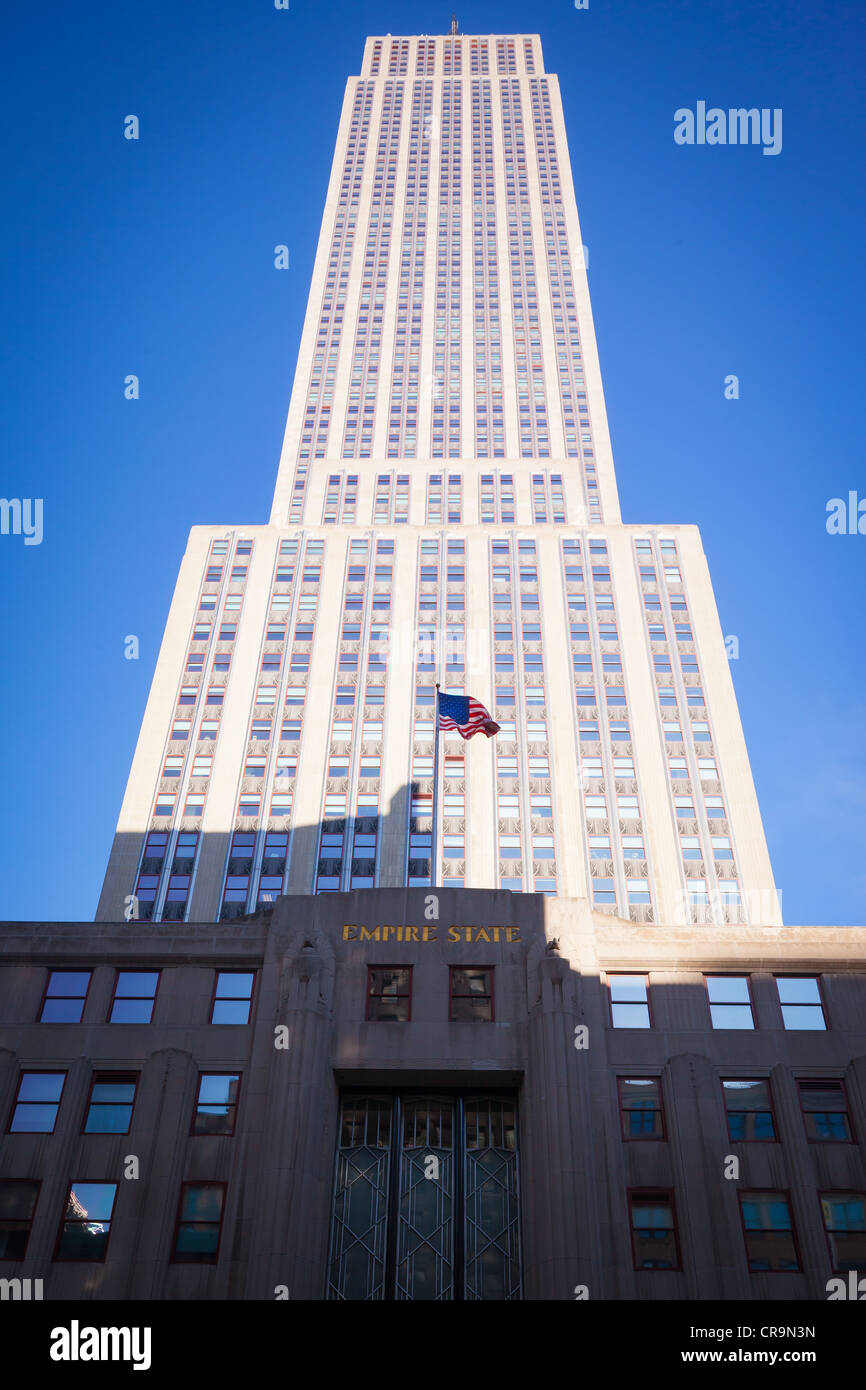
(426, 1198)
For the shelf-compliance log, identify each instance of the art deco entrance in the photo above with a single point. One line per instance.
(426, 1198)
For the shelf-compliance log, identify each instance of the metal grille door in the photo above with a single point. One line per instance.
(426, 1199)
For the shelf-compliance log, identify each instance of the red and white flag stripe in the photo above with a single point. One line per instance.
(466, 715)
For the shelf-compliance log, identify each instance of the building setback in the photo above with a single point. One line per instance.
(579, 1150)
(286, 1061)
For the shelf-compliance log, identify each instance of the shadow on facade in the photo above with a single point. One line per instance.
(661, 1218)
(182, 875)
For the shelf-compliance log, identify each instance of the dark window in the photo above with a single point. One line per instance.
(653, 1230)
(769, 1232)
(86, 1223)
(825, 1110)
(17, 1205)
(154, 852)
(389, 994)
(241, 853)
(184, 853)
(112, 1096)
(216, 1103)
(845, 1223)
(65, 996)
(37, 1102)
(232, 997)
(134, 995)
(640, 1104)
(199, 1223)
(750, 1110)
(471, 995)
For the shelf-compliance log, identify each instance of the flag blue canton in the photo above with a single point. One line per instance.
(454, 707)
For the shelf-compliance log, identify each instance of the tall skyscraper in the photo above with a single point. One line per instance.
(446, 506)
(468, 1094)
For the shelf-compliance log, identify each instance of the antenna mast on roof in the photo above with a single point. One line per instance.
(454, 28)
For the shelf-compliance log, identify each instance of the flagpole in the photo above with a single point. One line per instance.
(434, 837)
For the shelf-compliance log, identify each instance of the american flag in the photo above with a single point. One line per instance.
(466, 715)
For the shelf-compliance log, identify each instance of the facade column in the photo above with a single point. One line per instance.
(296, 1100)
(559, 1225)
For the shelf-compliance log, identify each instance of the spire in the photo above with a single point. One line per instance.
(454, 26)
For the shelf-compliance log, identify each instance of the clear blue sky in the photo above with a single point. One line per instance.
(156, 258)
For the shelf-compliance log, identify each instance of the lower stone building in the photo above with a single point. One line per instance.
(464, 1094)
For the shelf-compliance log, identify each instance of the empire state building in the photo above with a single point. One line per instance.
(573, 1053)
(445, 507)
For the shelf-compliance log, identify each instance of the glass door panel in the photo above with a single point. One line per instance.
(359, 1227)
(425, 1238)
(491, 1201)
